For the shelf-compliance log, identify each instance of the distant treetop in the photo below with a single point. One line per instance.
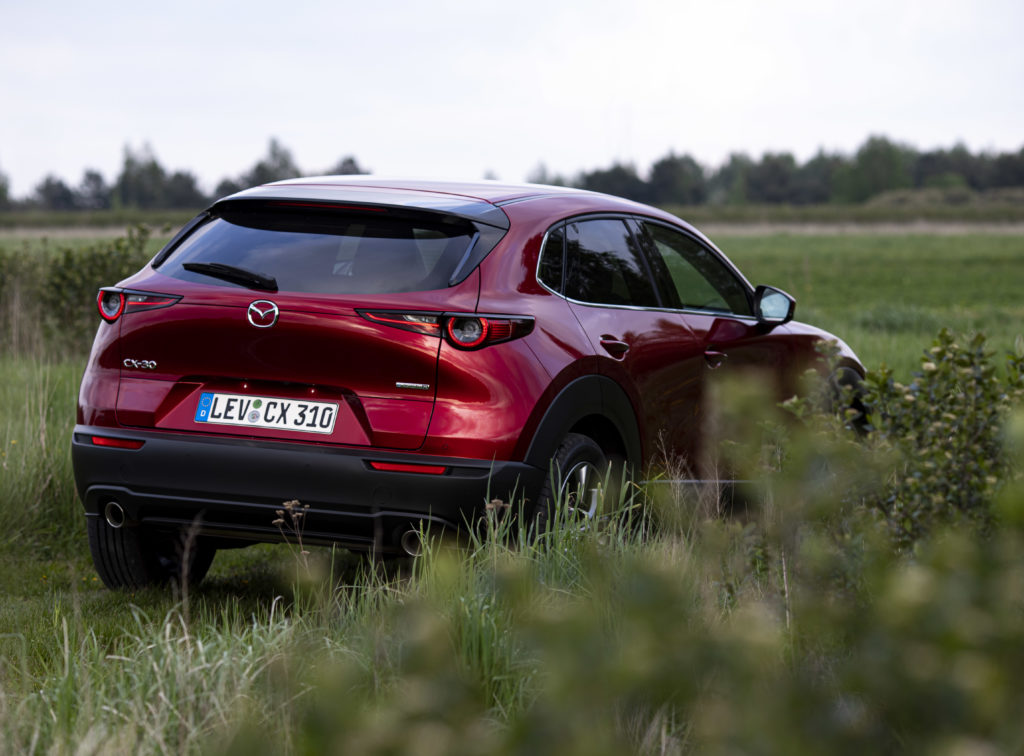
(878, 166)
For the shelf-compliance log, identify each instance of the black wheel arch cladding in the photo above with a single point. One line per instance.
(586, 397)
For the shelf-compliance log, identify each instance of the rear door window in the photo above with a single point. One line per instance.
(604, 265)
(335, 252)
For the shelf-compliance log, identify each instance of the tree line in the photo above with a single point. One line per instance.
(877, 166)
(144, 183)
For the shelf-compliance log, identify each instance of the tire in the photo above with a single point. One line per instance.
(132, 557)
(846, 392)
(576, 481)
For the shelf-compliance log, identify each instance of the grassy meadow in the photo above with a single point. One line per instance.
(867, 599)
(888, 295)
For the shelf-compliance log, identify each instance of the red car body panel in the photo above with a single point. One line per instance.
(320, 348)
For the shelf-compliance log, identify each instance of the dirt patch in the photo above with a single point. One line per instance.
(923, 228)
(64, 232)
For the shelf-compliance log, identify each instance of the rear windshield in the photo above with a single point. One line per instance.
(327, 252)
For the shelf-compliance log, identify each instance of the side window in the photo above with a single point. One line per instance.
(699, 279)
(552, 260)
(603, 265)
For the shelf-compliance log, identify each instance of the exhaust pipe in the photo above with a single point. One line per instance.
(114, 514)
(411, 543)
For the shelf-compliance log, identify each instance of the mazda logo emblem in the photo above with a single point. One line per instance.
(262, 313)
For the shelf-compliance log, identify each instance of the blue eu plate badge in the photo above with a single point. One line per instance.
(203, 410)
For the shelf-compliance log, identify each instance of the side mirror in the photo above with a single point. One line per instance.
(773, 306)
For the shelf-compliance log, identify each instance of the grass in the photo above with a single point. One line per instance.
(49, 220)
(37, 495)
(888, 295)
(790, 628)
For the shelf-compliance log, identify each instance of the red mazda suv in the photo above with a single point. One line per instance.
(398, 353)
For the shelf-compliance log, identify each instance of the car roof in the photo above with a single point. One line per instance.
(479, 201)
(495, 192)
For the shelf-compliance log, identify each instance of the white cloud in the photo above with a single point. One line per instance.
(456, 88)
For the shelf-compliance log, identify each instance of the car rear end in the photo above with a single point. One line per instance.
(293, 347)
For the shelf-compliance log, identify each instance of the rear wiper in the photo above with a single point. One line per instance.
(248, 278)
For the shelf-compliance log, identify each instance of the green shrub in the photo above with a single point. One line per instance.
(943, 432)
(72, 278)
(20, 272)
(48, 293)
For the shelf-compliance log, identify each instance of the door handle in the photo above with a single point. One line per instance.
(714, 359)
(614, 346)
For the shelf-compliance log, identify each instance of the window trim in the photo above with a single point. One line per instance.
(640, 219)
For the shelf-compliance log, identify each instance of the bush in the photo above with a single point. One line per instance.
(18, 280)
(49, 294)
(73, 277)
(944, 435)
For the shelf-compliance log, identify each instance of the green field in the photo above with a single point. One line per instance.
(795, 627)
(888, 295)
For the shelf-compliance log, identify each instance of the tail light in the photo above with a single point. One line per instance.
(467, 333)
(477, 331)
(462, 330)
(417, 322)
(113, 302)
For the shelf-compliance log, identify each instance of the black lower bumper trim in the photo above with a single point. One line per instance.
(232, 488)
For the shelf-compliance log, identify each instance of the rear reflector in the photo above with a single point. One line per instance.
(117, 443)
(399, 467)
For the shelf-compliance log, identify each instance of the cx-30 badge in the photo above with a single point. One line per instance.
(262, 313)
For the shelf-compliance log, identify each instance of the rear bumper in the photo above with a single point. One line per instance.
(233, 487)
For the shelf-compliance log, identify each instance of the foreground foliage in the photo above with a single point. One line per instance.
(802, 622)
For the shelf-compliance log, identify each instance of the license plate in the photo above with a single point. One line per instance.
(266, 412)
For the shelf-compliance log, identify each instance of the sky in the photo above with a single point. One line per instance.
(445, 89)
